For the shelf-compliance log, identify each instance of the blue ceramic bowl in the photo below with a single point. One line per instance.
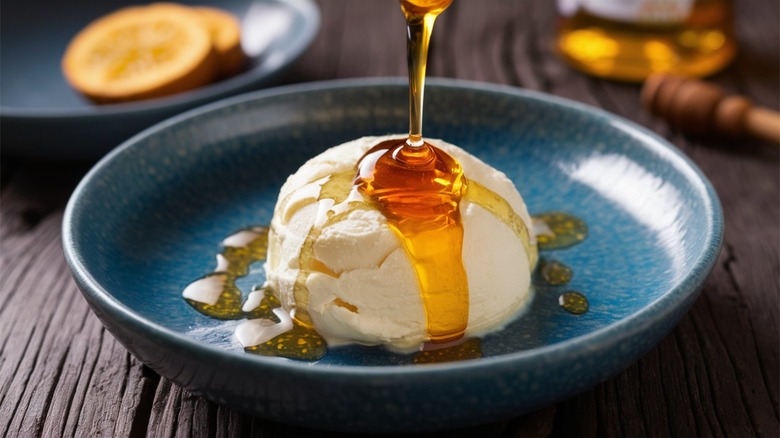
(42, 116)
(148, 218)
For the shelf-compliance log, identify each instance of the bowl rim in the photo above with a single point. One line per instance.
(307, 9)
(605, 337)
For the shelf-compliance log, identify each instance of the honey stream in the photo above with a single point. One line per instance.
(420, 16)
(418, 188)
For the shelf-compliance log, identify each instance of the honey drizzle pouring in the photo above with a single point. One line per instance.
(336, 190)
(418, 188)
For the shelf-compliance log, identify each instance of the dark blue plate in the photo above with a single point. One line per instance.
(148, 220)
(43, 116)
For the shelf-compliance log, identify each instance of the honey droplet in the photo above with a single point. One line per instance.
(418, 190)
(555, 272)
(573, 302)
(558, 230)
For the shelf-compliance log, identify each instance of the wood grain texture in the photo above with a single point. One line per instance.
(716, 374)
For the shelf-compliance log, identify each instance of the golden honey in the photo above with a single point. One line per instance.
(420, 17)
(632, 39)
(418, 190)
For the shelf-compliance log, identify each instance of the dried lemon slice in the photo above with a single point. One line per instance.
(140, 52)
(225, 35)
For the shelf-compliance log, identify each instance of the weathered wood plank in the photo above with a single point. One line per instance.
(165, 410)
(22, 347)
(653, 409)
(137, 400)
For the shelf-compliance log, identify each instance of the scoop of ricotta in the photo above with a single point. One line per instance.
(363, 287)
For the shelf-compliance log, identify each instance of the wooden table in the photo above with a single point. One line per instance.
(716, 374)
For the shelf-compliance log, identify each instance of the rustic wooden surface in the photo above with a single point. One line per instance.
(716, 374)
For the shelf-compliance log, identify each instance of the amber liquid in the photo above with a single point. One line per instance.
(418, 188)
(420, 17)
(419, 191)
(701, 44)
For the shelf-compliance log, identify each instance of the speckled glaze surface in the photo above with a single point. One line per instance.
(148, 219)
(42, 116)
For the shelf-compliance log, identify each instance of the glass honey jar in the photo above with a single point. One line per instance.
(630, 39)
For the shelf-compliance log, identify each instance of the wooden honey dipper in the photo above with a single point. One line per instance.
(699, 107)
